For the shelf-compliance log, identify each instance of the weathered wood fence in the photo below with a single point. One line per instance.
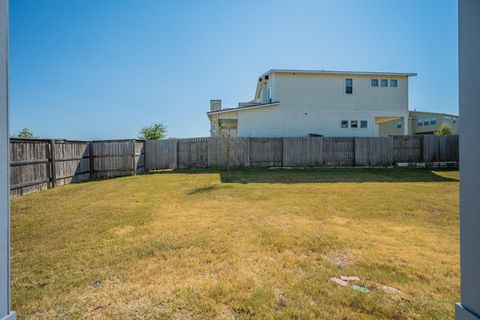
(37, 164)
(298, 152)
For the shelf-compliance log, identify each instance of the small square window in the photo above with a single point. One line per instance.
(348, 86)
(363, 124)
(344, 124)
(420, 123)
(374, 82)
(354, 124)
(433, 121)
(399, 124)
(384, 83)
(426, 122)
(393, 83)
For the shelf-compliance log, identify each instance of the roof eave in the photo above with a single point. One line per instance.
(399, 74)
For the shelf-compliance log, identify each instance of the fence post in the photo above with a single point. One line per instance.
(134, 165)
(354, 147)
(53, 166)
(91, 158)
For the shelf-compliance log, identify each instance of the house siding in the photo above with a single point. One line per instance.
(316, 103)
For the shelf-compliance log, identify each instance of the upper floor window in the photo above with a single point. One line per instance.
(344, 124)
(354, 124)
(363, 124)
(399, 124)
(426, 122)
(420, 123)
(269, 94)
(393, 83)
(433, 121)
(384, 83)
(348, 86)
(374, 82)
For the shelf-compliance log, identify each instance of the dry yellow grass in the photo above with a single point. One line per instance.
(239, 244)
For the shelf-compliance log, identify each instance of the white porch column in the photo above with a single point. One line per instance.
(469, 68)
(5, 312)
(406, 124)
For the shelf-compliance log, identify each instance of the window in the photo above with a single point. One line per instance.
(399, 124)
(363, 124)
(348, 86)
(374, 82)
(393, 83)
(426, 122)
(354, 124)
(384, 83)
(420, 123)
(454, 120)
(344, 124)
(269, 94)
(433, 121)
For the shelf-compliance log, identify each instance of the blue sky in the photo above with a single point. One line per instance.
(94, 69)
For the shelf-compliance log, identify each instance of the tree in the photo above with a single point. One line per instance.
(25, 133)
(445, 129)
(156, 131)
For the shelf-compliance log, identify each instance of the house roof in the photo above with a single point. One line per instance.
(407, 74)
(435, 113)
(253, 106)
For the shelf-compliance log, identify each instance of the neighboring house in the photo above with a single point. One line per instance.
(291, 103)
(419, 123)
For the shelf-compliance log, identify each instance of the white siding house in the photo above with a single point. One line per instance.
(329, 103)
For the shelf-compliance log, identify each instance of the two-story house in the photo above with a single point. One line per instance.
(290, 103)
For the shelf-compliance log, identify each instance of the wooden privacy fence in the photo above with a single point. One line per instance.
(37, 164)
(298, 152)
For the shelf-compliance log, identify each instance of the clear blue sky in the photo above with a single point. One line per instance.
(96, 69)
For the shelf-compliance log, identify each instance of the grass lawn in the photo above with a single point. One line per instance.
(242, 244)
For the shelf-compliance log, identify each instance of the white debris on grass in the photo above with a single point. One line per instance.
(391, 290)
(339, 281)
(350, 278)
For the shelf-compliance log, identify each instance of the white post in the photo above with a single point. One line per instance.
(405, 126)
(5, 312)
(469, 83)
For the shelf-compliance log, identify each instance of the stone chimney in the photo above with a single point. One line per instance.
(215, 105)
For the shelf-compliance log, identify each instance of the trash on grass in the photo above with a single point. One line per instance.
(391, 290)
(360, 289)
(96, 284)
(339, 266)
(350, 278)
(339, 281)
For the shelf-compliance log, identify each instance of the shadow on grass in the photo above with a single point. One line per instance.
(320, 175)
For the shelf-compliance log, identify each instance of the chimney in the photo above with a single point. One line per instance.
(215, 105)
